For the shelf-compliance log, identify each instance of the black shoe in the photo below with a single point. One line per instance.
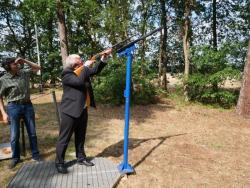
(85, 161)
(13, 163)
(61, 168)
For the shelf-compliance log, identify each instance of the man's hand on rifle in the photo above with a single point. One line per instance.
(106, 54)
(104, 57)
(89, 63)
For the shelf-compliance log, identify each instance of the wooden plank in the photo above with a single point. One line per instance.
(107, 170)
(84, 176)
(16, 179)
(96, 176)
(100, 173)
(33, 177)
(45, 173)
(40, 174)
(54, 176)
(69, 178)
(74, 176)
(49, 175)
(64, 180)
(107, 175)
(59, 180)
(24, 180)
(36, 179)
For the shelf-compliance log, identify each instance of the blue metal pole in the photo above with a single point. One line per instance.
(125, 167)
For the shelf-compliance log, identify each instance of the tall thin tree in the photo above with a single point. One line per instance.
(243, 106)
(62, 31)
(186, 36)
(214, 25)
(163, 47)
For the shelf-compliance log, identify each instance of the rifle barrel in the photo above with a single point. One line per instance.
(119, 43)
(141, 38)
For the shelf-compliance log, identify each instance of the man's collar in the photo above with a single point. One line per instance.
(8, 74)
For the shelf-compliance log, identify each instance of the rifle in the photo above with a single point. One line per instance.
(96, 56)
(119, 47)
(139, 39)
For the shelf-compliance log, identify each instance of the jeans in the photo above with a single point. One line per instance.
(15, 113)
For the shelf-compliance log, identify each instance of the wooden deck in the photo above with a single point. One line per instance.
(103, 175)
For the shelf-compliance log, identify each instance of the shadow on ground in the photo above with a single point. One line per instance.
(116, 150)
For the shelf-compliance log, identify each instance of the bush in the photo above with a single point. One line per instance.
(211, 70)
(144, 92)
(110, 85)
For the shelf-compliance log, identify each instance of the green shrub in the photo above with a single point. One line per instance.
(110, 85)
(210, 71)
(144, 93)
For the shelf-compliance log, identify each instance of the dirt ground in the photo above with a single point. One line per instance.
(172, 143)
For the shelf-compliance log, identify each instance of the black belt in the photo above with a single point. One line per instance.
(20, 102)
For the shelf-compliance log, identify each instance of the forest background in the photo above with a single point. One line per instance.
(203, 44)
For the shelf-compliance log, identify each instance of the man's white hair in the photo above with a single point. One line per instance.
(71, 60)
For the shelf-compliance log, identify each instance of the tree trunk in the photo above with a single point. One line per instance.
(186, 44)
(163, 46)
(143, 30)
(62, 32)
(214, 25)
(243, 106)
(50, 46)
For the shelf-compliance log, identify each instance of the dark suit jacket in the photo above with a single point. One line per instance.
(75, 87)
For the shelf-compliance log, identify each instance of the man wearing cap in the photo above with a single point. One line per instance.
(14, 87)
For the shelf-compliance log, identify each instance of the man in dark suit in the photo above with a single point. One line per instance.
(77, 97)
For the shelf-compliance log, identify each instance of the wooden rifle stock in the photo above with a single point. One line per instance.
(79, 70)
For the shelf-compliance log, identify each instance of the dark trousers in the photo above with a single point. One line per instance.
(68, 126)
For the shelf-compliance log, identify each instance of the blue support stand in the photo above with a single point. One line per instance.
(125, 167)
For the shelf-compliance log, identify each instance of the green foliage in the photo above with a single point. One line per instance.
(92, 25)
(144, 93)
(52, 68)
(210, 71)
(203, 89)
(110, 86)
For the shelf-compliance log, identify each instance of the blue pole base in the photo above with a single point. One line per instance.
(125, 169)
